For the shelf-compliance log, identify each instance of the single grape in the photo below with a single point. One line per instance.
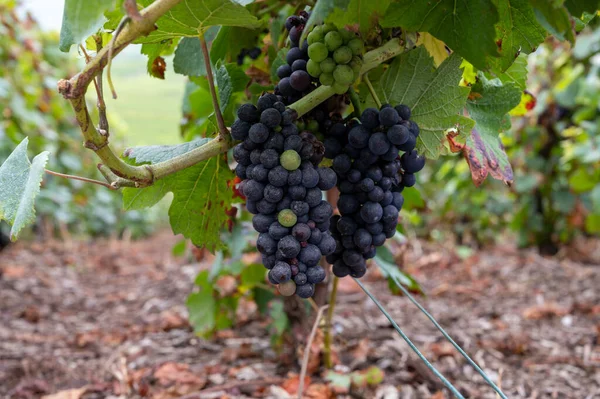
(277, 231)
(284, 71)
(342, 55)
(281, 272)
(408, 180)
(287, 218)
(248, 113)
(295, 53)
(253, 190)
(278, 176)
(333, 40)
(378, 143)
(305, 291)
(290, 160)
(403, 111)
(327, 178)
(339, 88)
(317, 51)
(370, 118)
(287, 289)
(289, 247)
(314, 36)
(269, 158)
(300, 80)
(313, 68)
(327, 65)
(272, 193)
(258, 133)
(388, 116)
(398, 134)
(240, 129)
(356, 46)
(270, 117)
(315, 275)
(326, 79)
(412, 162)
(371, 212)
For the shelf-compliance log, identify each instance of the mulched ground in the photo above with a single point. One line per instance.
(107, 319)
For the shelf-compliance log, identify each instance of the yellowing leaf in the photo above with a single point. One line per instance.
(435, 47)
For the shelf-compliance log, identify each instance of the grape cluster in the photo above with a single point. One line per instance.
(253, 53)
(371, 176)
(295, 81)
(282, 185)
(335, 56)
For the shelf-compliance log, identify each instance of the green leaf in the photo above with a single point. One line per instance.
(262, 298)
(466, 26)
(202, 308)
(578, 7)
(554, 17)
(592, 224)
(189, 58)
(280, 320)
(191, 18)
(517, 32)
(390, 270)
(253, 275)
(81, 18)
(516, 73)
(489, 104)
(230, 79)
(230, 41)
(321, 11)
(201, 194)
(277, 62)
(19, 185)
(433, 94)
(365, 13)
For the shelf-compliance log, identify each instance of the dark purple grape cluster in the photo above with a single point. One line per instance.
(370, 177)
(282, 184)
(295, 81)
(253, 53)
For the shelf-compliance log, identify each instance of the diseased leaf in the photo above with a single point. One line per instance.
(192, 17)
(230, 79)
(364, 13)
(19, 185)
(434, 96)
(466, 26)
(156, 63)
(488, 104)
(436, 48)
(517, 32)
(554, 17)
(201, 194)
(81, 18)
(321, 11)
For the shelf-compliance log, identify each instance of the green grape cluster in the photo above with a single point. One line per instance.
(335, 56)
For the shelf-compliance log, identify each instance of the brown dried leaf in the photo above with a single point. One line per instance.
(543, 311)
(292, 384)
(159, 65)
(179, 374)
(67, 394)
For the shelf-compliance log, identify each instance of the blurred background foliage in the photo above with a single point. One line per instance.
(31, 106)
(554, 149)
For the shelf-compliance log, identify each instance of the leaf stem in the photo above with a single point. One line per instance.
(372, 90)
(111, 46)
(80, 178)
(328, 324)
(211, 84)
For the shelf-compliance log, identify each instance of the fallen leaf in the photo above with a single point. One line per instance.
(318, 391)
(171, 320)
(67, 394)
(361, 351)
(442, 349)
(543, 311)
(292, 384)
(178, 373)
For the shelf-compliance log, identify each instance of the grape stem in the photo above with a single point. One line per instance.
(355, 102)
(80, 178)
(327, 339)
(372, 90)
(370, 60)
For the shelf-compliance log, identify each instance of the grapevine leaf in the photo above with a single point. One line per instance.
(322, 10)
(201, 194)
(277, 62)
(554, 17)
(434, 96)
(230, 79)
(578, 7)
(191, 18)
(516, 73)
(465, 26)
(156, 64)
(230, 41)
(364, 13)
(81, 18)
(435, 47)
(488, 104)
(19, 185)
(517, 32)
(202, 306)
(189, 58)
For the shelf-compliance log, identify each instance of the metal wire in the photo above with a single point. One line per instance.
(446, 383)
(447, 336)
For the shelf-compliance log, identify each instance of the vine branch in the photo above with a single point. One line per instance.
(211, 84)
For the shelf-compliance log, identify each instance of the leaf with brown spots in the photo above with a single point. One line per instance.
(489, 104)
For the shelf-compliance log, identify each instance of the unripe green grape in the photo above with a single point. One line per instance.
(340, 88)
(326, 79)
(313, 68)
(287, 218)
(346, 35)
(312, 126)
(300, 125)
(288, 288)
(317, 51)
(333, 40)
(290, 160)
(327, 65)
(357, 46)
(343, 74)
(328, 28)
(342, 55)
(314, 37)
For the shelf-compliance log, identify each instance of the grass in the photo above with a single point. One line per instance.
(147, 110)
